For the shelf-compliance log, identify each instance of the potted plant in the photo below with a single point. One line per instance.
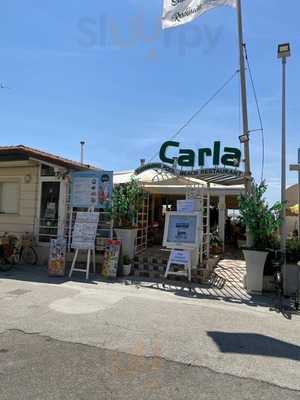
(127, 263)
(263, 223)
(126, 205)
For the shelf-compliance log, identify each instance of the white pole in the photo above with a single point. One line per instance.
(283, 173)
(244, 96)
(247, 172)
(82, 143)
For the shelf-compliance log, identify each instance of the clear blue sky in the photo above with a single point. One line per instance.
(105, 72)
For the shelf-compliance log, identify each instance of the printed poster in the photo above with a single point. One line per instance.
(181, 257)
(57, 257)
(85, 230)
(182, 229)
(111, 259)
(92, 189)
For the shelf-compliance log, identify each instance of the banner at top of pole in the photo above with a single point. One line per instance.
(179, 12)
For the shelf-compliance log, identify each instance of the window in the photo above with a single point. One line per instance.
(46, 170)
(9, 197)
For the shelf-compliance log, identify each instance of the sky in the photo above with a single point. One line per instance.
(106, 73)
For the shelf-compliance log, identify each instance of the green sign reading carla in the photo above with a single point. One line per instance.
(229, 157)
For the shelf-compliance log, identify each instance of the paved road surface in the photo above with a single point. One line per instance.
(34, 367)
(71, 338)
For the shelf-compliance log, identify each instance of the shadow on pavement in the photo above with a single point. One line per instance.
(211, 291)
(39, 274)
(205, 291)
(254, 344)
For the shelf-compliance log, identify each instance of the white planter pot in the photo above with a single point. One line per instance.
(255, 264)
(126, 270)
(128, 238)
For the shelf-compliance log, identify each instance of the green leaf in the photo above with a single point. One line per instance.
(262, 220)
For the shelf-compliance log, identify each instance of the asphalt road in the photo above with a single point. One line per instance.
(75, 340)
(36, 367)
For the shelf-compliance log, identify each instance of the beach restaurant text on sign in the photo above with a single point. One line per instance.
(212, 169)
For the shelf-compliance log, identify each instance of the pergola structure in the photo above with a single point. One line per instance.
(225, 185)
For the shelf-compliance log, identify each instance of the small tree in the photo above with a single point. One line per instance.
(262, 220)
(126, 203)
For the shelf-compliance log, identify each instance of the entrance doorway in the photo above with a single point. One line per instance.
(49, 210)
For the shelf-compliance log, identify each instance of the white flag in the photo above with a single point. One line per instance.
(178, 12)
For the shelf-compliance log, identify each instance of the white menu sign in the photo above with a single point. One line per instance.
(186, 205)
(85, 230)
(182, 257)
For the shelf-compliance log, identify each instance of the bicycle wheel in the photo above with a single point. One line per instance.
(4, 265)
(28, 256)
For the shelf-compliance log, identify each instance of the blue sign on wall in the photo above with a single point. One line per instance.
(92, 189)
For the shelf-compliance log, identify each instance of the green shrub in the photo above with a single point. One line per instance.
(262, 220)
(126, 204)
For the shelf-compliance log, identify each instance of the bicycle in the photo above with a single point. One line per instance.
(16, 250)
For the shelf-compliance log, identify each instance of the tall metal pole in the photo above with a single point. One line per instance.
(247, 173)
(244, 98)
(283, 172)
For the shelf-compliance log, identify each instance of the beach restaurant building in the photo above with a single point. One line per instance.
(179, 178)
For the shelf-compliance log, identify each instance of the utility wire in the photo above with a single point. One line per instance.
(258, 112)
(177, 133)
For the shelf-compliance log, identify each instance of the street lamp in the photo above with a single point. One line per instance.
(284, 51)
(244, 138)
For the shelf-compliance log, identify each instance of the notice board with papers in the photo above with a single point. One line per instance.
(85, 230)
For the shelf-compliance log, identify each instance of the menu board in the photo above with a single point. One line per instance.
(92, 189)
(111, 258)
(57, 257)
(85, 230)
(186, 205)
(181, 257)
(182, 230)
